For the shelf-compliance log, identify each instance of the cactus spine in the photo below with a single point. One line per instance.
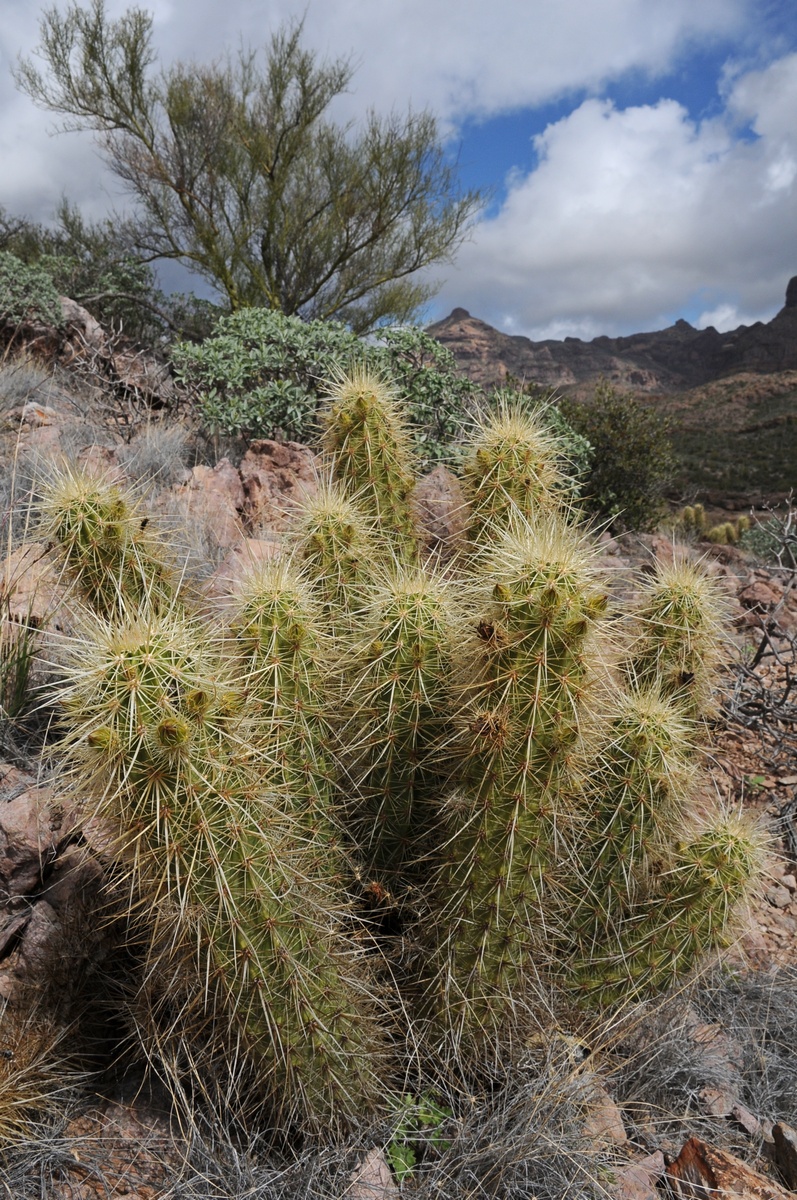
(365, 436)
(678, 638)
(336, 543)
(106, 542)
(396, 729)
(510, 469)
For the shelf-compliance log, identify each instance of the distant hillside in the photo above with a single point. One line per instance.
(665, 360)
(731, 398)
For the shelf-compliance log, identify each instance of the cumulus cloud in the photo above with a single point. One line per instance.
(631, 212)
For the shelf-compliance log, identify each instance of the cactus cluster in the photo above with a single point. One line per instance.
(483, 745)
(691, 522)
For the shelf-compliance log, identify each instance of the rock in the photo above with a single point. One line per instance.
(33, 587)
(441, 510)
(788, 881)
(50, 887)
(785, 1152)
(760, 596)
(717, 1102)
(777, 896)
(211, 498)
(604, 1122)
(701, 1170)
(84, 334)
(276, 476)
(637, 1181)
(372, 1179)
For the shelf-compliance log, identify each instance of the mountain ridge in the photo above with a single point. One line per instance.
(669, 360)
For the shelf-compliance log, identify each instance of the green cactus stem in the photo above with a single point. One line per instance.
(365, 436)
(678, 636)
(524, 678)
(627, 815)
(688, 911)
(510, 467)
(222, 857)
(107, 542)
(396, 732)
(288, 677)
(336, 542)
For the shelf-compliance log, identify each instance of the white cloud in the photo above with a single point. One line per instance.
(631, 213)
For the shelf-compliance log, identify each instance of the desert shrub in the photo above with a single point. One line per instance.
(262, 374)
(27, 294)
(774, 540)
(632, 460)
(157, 453)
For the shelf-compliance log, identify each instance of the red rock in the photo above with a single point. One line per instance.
(212, 497)
(785, 1152)
(760, 596)
(275, 477)
(441, 510)
(372, 1179)
(701, 1171)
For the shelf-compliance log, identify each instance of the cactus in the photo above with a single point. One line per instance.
(106, 541)
(336, 542)
(635, 794)
(687, 911)
(524, 675)
(154, 742)
(678, 636)
(488, 734)
(365, 436)
(395, 734)
(510, 468)
(286, 677)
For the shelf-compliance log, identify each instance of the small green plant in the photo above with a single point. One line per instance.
(632, 462)
(419, 1124)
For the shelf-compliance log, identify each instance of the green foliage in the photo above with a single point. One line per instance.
(262, 374)
(96, 265)
(237, 170)
(774, 540)
(27, 294)
(632, 457)
(419, 1124)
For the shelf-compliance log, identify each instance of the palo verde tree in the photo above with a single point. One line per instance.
(237, 171)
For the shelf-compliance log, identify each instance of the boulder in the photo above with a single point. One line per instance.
(441, 511)
(211, 498)
(276, 476)
(50, 893)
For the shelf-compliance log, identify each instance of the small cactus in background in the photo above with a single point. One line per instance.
(510, 468)
(367, 440)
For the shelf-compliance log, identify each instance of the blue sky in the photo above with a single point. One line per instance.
(641, 154)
